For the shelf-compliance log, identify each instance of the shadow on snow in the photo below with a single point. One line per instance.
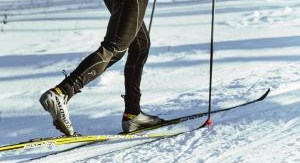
(37, 61)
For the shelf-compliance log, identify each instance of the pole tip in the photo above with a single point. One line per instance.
(209, 122)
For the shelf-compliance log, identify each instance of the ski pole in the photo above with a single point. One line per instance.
(152, 13)
(209, 121)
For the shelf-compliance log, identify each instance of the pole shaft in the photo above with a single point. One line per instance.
(152, 13)
(211, 55)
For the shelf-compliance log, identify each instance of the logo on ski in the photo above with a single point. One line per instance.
(40, 144)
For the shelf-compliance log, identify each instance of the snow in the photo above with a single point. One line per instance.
(257, 46)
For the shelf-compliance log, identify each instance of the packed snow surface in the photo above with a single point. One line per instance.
(257, 46)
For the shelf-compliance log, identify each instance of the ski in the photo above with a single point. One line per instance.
(170, 122)
(55, 141)
(198, 115)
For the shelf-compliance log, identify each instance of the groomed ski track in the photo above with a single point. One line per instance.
(257, 47)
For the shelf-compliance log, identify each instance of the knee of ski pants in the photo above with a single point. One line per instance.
(115, 47)
(116, 57)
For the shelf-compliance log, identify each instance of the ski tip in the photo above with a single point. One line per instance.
(264, 95)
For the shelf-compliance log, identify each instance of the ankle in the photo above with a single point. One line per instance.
(128, 116)
(57, 90)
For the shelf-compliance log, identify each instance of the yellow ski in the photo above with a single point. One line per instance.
(48, 142)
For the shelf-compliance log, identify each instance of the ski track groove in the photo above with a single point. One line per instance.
(267, 138)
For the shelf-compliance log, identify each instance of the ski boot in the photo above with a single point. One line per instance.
(132, 122)
(55, 102)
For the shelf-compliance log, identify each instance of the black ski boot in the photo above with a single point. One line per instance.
(132, 122)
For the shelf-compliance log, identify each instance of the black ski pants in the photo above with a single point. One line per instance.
(125, 30)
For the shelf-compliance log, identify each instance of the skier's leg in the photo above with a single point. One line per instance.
(137, 56)
(133, 117)
(123, 27)
(124, 24)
